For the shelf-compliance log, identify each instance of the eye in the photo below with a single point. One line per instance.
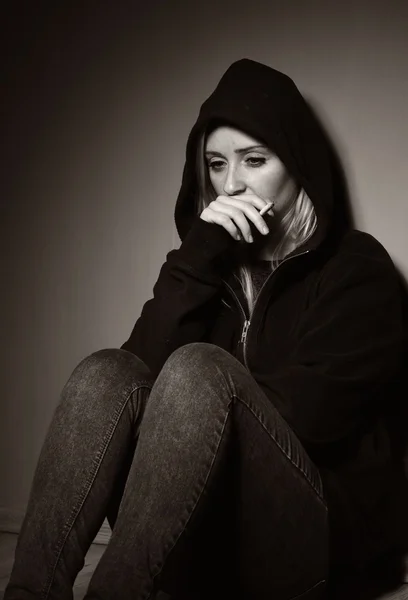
(256, 161)
(216, 165)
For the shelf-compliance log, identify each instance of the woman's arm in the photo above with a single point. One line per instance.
(185, 296)
(350, 347)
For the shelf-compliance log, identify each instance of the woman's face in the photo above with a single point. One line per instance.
(239, 164)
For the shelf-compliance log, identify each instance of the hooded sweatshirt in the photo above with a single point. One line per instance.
(325, 339)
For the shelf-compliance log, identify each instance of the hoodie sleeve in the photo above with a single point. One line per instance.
(185, 296)
(350, 347)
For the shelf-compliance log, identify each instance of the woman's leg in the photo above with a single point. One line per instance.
(91, 436)
(209, 427)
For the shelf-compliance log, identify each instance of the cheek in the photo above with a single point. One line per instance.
(216, 181)
(268, 184)
(279, 184)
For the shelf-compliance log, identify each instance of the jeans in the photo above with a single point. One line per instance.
(209, 492)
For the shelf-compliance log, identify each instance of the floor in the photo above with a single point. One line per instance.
(8, 544)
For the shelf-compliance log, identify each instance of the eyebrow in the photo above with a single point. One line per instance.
(238, 150)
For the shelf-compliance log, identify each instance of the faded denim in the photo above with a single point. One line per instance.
(209, 492)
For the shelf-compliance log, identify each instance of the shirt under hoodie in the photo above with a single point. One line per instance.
(325, 341)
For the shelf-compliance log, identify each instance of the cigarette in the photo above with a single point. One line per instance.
(266, 208)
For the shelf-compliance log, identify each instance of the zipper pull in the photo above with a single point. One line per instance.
(245, 331)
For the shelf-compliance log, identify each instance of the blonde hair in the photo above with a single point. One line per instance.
(297, 225)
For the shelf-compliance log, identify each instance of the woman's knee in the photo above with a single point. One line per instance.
(201, 362)
(108, 368)
(196, 358)
(194, 379)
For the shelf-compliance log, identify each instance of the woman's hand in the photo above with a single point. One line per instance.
(233, 212)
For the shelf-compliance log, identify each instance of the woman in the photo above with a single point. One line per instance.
(237, 440)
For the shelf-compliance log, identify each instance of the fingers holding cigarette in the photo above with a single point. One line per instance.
(267, 208)
(237, 213)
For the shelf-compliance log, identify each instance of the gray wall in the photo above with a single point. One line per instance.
(98, 110)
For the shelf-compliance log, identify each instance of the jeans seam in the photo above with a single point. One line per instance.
(87, 488)
(298, 467)
(308, 590)
(167, 551)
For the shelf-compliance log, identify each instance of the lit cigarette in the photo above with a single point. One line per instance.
(266, 208)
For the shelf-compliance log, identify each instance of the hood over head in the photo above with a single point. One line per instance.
(267, 105)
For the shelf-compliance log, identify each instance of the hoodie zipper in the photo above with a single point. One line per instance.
(247, 322)
(246, 325)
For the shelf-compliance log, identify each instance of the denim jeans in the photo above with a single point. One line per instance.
(209, 492)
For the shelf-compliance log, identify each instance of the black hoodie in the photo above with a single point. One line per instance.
(325, 339)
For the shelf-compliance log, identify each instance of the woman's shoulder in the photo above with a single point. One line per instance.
(361, 242)
(359, 256)
(362, 248)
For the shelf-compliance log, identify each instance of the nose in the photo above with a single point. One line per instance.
(234, 183)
